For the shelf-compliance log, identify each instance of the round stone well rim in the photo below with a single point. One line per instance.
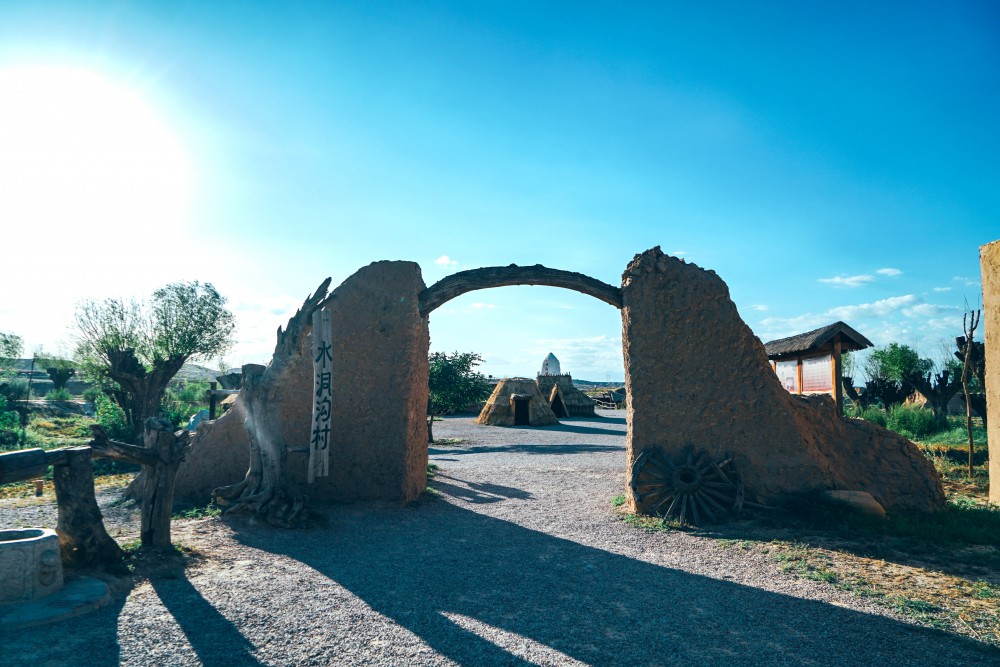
(24, 534)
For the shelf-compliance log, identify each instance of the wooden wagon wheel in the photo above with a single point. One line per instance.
(694, 489)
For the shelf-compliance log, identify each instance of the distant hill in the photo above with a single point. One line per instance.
(602, 383)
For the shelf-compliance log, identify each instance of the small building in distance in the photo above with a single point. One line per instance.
(810, 362)
(563, 397)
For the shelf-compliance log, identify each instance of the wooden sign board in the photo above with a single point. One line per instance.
(319, 441)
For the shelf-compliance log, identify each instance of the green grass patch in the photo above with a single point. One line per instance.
(647, 523)
(205, 512)
(963, 520)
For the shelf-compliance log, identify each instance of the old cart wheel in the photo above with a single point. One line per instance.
(694, 489)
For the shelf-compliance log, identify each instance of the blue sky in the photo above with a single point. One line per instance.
(829, 161)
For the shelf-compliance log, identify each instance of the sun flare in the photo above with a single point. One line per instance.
(83, 157)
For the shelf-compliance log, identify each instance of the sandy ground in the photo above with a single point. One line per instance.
(516, 558)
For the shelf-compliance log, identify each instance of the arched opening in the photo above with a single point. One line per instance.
(577, 446)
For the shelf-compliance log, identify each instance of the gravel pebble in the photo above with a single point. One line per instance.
(517, 558)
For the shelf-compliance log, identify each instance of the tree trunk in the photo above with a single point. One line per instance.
(267, 490)
(143, 390)
(430, 428)
(80, 526)
(160, 458)
(158, 490)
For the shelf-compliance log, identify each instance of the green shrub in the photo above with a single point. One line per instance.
(180, 402)
(59, 395)
(8, 418)
(15, 390)
(873, 414)
(912, 422)
(112, 418)
(90, 395)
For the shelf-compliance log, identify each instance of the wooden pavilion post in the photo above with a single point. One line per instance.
(838, 372)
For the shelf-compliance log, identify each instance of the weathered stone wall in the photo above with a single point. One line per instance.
(219, 456)
(697, 375)
(378, 448)
(989, 259)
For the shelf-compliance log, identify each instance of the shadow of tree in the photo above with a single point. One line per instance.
(455, 570)
(476, 492)
(214, 638)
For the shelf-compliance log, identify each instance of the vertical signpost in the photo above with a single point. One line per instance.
(319, 441)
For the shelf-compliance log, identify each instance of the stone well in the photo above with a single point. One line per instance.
(30, 565)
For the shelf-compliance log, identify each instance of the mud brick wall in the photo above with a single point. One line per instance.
(696, 375)
(989, 260)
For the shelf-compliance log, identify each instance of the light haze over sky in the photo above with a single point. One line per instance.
(831, 161)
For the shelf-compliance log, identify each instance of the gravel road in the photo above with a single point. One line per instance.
(518, 558)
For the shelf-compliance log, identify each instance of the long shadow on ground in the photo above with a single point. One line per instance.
(592, 605)
(540, 448)
(593, 430)
(215, 640)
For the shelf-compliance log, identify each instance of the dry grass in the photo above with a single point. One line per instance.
(24, 492)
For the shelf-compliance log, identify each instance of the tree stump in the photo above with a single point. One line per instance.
(82, 537)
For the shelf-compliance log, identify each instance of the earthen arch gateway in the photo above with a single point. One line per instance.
(695, 374)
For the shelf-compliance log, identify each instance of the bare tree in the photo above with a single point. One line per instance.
(266, 490)
(970, 320)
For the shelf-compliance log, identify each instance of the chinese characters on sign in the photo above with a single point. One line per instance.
(319, 441)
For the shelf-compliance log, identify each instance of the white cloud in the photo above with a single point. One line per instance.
(678, 253)
(780, 327)
(848, 281)
(444, 260)
(968, 282)
(479, 305)
(942, 289)
(759, 306)
(880, 308)
(929, 310)
(889, 272)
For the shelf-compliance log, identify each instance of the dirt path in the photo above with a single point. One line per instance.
(516, 558)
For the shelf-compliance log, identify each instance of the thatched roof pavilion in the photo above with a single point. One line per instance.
(809, 363)
(517, 402)
(818, 340)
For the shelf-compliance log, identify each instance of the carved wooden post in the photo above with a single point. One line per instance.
(80, 526)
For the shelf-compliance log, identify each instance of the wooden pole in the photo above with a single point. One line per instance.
(212, 399)
(838, 372)
(158, 491)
